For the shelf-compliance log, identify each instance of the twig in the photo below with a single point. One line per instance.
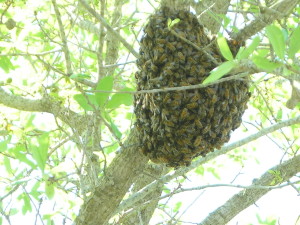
(108, 27)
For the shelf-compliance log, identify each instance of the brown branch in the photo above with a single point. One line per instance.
(283, 8)
(45, 104)
(108, 27)
(119, 176)
(63, 38)
(247, 197)
(208, 11)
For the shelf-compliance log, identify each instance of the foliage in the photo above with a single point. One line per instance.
(51, 162)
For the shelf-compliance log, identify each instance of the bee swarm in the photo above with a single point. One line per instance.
(174, 127)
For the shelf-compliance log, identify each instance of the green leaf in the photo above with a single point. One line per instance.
(105, 84)
(26, 204)
(224, 48)
(265, 64)
(39, 148)
(120, 98)
(6, 64)
(6, 162)
(113, 126)
(294, 45)
(220, 71)
(276, 38)
(177, 206)
(49, 189)
(22, 156)
(245, 53)
(171, 23)
(86, 101)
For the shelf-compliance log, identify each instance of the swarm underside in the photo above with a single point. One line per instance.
(174, 127)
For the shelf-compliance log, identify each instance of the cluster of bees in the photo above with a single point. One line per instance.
(174, 127)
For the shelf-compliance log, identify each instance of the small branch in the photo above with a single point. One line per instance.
(108, 27)
(63, 38)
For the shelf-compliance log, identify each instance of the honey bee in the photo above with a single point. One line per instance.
(192, 105)
(206, 129)
(226, 93)
(149, 31)
(233, 109)
(182, 142)
(211, 112)
(214, 99)
(167, 72)
(192, 80)
(210, 91)
(195, 97)
(169, 123)
(161, 41)
(181, 56)
(177, 96)
(153, 67)
(184, 114)
(191, 60)
(197, 141)
(193, 70)
(159, 49)
(198, 123)
(212, 134)
(170, 46)
(167, 98)
(183, 83)
(175, 104)
(162, 59)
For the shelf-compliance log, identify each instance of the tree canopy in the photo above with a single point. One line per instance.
(69, 151)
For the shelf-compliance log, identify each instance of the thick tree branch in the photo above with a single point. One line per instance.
(247, 197)
(276, 12)
(209, 11)
(133, 199)
(45, 104)
(119, 176)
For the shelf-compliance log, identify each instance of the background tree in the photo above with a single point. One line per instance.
(68, 145)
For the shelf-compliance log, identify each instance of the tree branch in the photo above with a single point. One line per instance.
(45, 104)
(276, 12)
(133, 199)
(119, 176)
(108, 27)
(247, 197)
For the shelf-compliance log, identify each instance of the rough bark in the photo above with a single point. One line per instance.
(247, 197)
(118, 178)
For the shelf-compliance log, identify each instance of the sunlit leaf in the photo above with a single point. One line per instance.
(86, 101)
(220, 71)
(49, 189)
(105, 84)
(265, 64)
(113, 126)
(294, 44)
(177, 206)
(120, 98)
(6, 64)
(276, 38)
(26, 204)
(246, 52)
(171, 23)
(224, 48)
(39, 149)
